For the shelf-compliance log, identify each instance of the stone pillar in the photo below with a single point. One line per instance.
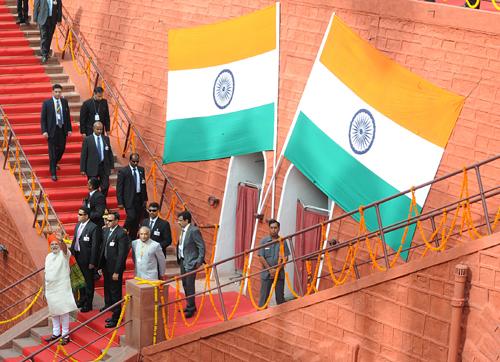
(457, 304)
(140, 311)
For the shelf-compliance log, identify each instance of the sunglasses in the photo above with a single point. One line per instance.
(79, 214)
(153, 210)
(110, 220)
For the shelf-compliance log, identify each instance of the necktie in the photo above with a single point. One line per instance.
(107, 242)
(99, 148)
(181, 244)
(151, 223)
(78, 234)
(58, 111)
(137, 182)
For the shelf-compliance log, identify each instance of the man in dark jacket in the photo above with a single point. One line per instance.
(114, 252)
(160, 229)
(96, 202)
(96, 157)
(93, 110)
(85, 247)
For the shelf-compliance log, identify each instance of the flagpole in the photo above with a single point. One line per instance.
(276, 107)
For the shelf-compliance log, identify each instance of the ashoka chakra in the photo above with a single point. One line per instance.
(362, 131)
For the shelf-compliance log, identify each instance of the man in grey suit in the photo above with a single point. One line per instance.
(190, 256)
(46, 13)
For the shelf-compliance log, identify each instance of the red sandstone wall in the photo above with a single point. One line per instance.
(403, 319)
(453, 47)
(15, 266)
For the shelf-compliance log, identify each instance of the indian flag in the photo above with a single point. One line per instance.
(367, 128)
(223, 88)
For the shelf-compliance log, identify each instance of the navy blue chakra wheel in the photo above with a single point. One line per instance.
(223, 88)
(362, 131)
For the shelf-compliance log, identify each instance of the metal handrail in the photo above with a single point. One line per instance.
(50, 344)
(18, 302)
(119, 101)
(21, 280)
(314, 254)
(13, 137)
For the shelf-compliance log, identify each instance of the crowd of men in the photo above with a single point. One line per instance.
(100, 245)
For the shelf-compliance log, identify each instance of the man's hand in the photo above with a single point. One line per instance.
(45, 134)
(91, 266)
(114, 276)
(272, 272)
(120, 206)
(82, 173)
(69, 133)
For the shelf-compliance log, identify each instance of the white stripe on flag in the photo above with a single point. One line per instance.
(190, 92)
(332, 111)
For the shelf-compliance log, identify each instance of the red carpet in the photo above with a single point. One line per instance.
(24, 84)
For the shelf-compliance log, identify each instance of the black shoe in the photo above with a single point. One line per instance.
(54, 178)
(108, 320)
(111, 324)
(189, 313)
(44, 59)
(65, 340)
(51, 338)
(85, 310)
(21, 21)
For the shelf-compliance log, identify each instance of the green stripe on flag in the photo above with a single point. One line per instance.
(345, 180)
(224, 135)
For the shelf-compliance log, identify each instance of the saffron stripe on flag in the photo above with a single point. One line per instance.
(414, 103)
(224, 42)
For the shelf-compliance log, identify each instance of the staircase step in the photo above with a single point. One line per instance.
(23, 79)
(23, 98)
(10, 33)
(68, 158)
(74, 147)
(9, 354)
(11, 41)
(71, 193)
(38, 333)
(25, 88)
(7, 17)
(23, 69)
(37, 139)
(42, 169)
(19, 344)
(30, 113)
(5, 26)
(66, 181)
(72, 205)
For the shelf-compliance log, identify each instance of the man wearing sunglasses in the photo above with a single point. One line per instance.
(160, 229)
(113, 256)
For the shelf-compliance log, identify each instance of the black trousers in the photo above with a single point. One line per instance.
(135, 215)
(112, 292)
(265, 289)
(103, 179)
(57, 145)
(22, 10)
(188, 284)
(86, 293)
(46, 34)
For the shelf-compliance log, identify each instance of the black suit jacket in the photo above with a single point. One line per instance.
(48, 120)
(193, 249)
(117, 246)
(125, 187)
(160, 232)
(89, 157)
(97, 204)
(87, 115)
(90, 242)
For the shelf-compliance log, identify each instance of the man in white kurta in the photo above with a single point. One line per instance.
(148, 257)
(58, 291)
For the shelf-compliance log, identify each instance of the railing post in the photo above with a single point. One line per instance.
(65, 40)
(96, 82)
(7, 149)
(433, 224)
(163, 192)
(292, 252)
(37, 207)
(221, 298)
(126, 140)
(483, 199)
(382, 236)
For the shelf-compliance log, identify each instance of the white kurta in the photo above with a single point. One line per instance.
(58, 291)
(149, 259)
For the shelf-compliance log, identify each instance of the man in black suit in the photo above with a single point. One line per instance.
(47, 13)
(22, 12)
(160, 229)
(93, 110)
(96, 202)
(114, 253)
(190, 256)
(85, 248)
(56, 126)
(96, 157)
(132, 194)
